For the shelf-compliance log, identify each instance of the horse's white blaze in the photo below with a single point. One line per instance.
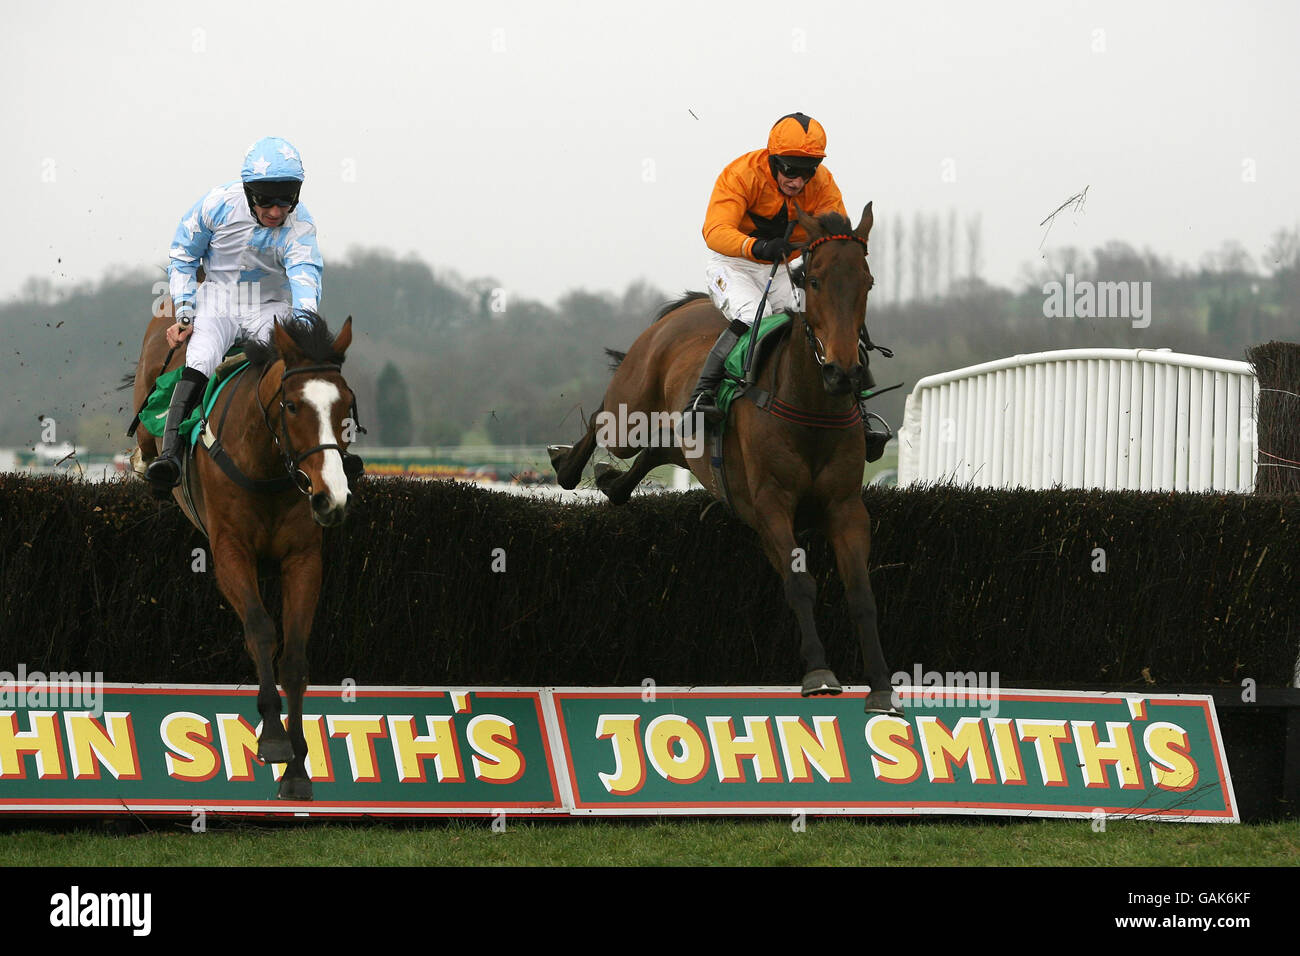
(321, 396)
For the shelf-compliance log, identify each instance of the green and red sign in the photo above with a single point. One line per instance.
(440, 751)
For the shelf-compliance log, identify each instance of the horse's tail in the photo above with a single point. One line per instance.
(615, 359)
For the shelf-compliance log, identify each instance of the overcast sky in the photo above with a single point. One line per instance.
(559, 145)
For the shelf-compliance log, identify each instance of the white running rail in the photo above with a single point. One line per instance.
(1142, 419)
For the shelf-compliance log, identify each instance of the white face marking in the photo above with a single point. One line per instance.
(321, 396)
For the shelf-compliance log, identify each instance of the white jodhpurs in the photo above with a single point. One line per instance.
(219, 318)
(736, 286)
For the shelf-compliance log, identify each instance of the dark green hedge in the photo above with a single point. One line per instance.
(1198, 589)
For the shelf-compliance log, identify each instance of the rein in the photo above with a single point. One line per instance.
(790, 413)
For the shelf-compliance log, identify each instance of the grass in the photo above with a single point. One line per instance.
(689, 842)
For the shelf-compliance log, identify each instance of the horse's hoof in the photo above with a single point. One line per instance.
(882, 702)
(819, 683)
(295, 788)
(276, 750)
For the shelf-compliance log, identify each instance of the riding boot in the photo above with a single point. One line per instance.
(164, 472)
(353, 467)
(876, 440)
(703, 400)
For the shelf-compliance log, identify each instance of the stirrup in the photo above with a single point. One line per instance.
(876, 440)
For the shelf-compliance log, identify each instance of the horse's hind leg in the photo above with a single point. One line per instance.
(849, 529)
(569, 460)
(236, 569)
(619, 485)
(300, 580)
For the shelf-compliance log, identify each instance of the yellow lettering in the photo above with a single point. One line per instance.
(805, 749)
(359, 732)
(662, 738)
(91, 744)
(411, 749)
(1172, 766)
(757, 745)
(43, 741)
(191, 755)
(1120, 750)
(1047, 735)
(945, 749)
(624, 732)
(497, 741)
(894, 760)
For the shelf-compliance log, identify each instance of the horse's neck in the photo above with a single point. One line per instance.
(256, 450)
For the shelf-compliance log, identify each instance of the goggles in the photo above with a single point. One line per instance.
(800, 168)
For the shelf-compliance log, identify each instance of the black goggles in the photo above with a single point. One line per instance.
(802, 169)
(277, 196)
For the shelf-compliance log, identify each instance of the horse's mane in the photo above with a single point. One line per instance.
(687, 297)
(833, 224)
(308, 331)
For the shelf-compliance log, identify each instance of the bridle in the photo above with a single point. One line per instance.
(814, 343)
(292, 457)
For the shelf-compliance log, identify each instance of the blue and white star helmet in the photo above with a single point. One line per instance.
(273, 171)
(271, 158)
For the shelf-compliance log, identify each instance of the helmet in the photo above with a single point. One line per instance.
(272, 169)
(797, 134)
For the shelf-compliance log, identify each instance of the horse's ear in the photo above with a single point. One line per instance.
(864, 226)
(344, 338)
(284, 343)
(810, 225)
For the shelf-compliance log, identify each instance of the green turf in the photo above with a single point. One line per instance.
(721, 842)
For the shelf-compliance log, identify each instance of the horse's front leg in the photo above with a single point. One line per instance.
(773, 513)
(236, 570)
(300, 580)
(848, 527)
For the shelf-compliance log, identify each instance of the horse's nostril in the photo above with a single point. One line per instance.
(320, 501)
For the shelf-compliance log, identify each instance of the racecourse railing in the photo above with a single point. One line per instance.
(1139, 419)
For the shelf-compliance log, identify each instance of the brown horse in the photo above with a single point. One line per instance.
(273, 503)
(779, 474)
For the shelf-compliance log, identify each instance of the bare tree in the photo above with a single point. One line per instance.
(918, 256)
(898, 259)
(950, 261)
(973, 250)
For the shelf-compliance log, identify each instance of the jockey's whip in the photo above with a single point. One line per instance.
(758, 315)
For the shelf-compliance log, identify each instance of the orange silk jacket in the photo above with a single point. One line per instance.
(747, 205)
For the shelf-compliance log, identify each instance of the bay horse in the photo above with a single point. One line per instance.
(779, 474)
(292, 396)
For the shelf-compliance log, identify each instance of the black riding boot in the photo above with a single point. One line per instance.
(876, 440)
(353, 467)
(703, 400)
(164, 472)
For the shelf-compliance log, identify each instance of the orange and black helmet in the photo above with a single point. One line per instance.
(797, 144)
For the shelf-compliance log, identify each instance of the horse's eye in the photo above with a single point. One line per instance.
(814, 283)
(291, 408)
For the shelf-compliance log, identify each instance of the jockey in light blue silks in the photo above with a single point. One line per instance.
(257, 247)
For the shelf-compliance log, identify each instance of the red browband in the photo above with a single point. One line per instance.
(816, 242)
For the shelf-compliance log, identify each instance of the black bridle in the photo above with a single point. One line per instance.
(814, 343)
(291, 457)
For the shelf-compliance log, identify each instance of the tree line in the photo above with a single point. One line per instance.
(444, 360)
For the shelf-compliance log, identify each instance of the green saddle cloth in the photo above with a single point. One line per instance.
(153, 418)
(735, 364)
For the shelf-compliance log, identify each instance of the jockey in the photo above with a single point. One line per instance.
(257, 247)
(744, 228)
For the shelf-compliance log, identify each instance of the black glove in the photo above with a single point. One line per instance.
(771, 250)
